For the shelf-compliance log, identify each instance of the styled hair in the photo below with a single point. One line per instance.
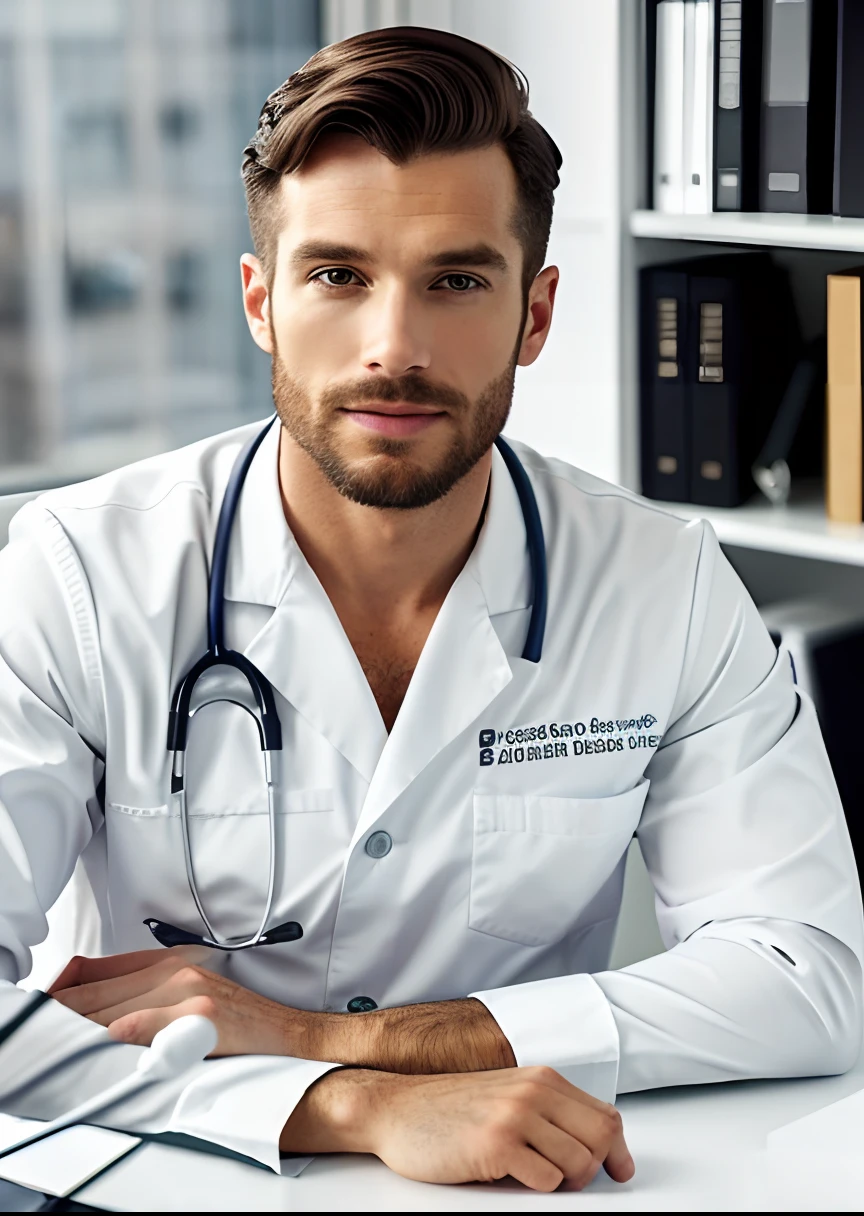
(408, 92)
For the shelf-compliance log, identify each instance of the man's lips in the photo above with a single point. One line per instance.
(396, 420)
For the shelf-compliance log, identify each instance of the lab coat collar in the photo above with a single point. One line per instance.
(501, 553)
(463, 666)
(305, 653)
(263, 554)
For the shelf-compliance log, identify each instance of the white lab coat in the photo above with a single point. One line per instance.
(510, 791)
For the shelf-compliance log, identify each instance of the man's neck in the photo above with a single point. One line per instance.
(386, 572)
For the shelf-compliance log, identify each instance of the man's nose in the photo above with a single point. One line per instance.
(395, 340)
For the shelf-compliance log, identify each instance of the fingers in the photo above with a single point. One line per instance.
(532, 1169)
(89, 998)
(596, 1124)
(143, 1025)
(175, 987)
(95, 997)
(80, 970)
(572, 1158)
(598, 1127)
(619, 1164)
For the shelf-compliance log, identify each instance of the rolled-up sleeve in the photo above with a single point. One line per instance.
(756, 888)
(51, 759)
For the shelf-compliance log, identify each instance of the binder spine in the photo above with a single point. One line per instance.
(664, 412)
(714, 384)
(698, 176)
(736, 103)
(669, 108)
(849, 123)
(799, 94)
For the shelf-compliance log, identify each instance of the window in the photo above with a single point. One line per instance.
(122, 219)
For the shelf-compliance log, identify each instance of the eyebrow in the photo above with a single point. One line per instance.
(477, 256)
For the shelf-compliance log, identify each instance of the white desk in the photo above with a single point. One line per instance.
(701, 1149)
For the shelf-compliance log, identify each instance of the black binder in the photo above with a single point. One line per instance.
(737, 102)
(664, 418)
(799, 84)
(743, 344)
(849, 124)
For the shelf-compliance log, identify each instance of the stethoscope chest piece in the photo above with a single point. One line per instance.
(265, 714)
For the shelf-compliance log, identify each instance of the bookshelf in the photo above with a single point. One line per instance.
(826, 232)
(799, 529)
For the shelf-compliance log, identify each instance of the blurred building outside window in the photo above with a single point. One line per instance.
(122, 220)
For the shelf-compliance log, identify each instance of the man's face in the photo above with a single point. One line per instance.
(395, 317)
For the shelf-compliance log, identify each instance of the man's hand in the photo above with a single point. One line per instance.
(136, 995)
(468, 1127)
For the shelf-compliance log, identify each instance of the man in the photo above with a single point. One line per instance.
(453, 817)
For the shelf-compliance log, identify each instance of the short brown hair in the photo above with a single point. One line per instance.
(407, 92)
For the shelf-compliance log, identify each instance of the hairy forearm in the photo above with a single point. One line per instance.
(442, 1036)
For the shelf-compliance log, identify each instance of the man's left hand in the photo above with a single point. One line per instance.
(136, 995)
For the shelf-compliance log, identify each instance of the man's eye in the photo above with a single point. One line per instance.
(459, 283)
(338, 276)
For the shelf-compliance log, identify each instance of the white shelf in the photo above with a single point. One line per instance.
(754, 228)
(799, 529)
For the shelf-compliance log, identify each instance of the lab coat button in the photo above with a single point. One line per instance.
(379, 844)
(361, 1004)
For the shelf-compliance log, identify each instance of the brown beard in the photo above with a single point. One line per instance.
(388, 478)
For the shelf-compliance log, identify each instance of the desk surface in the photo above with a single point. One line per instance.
(701, 1148)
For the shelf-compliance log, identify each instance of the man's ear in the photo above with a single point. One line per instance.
(256, 301)
(538, 319)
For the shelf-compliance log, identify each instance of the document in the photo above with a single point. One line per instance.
(61, 1163)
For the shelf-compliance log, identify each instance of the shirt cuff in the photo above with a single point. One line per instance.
(244, 1102)
(565, 1023)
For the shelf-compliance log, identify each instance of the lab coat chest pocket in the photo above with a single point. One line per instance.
(538, 861)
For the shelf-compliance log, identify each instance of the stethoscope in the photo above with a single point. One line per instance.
(266, 718)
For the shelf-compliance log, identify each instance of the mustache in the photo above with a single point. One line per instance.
(416, 390)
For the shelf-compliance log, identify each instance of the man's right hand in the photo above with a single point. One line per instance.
(465, 1127)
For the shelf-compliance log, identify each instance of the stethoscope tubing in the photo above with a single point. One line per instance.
(267, 717)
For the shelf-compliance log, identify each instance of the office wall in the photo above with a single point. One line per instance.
(568, 403)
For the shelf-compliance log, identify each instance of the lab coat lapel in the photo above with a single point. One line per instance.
(461, 669)
(463, 666)
(302, 650)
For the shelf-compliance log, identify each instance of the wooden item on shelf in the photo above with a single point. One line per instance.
(843, 401)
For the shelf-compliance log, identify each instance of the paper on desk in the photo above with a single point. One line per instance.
(61, 1163)
(13, 1129)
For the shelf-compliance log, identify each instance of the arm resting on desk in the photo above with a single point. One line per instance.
(757, 892)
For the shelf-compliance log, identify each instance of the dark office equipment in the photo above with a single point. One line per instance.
(794, 441)
(737, 103)
(743, 342)
(849, 122)
(799, 83)
(665, 432)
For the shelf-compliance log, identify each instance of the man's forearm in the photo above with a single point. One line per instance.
(442, 1036)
